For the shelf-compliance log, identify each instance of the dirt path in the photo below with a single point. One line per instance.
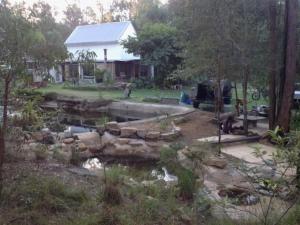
(199, 125)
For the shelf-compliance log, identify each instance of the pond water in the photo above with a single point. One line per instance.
(95, 165)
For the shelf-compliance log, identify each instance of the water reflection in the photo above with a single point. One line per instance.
(93, 164)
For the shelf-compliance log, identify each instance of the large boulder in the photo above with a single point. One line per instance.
(108, 138)
(44, 137)
(133, 149)
(141, 133)
(68, 141)
(184, 160)
(153, 135)
(113, 128)
(91, 140)
(128, 132)
(170, 136)
(216, 162)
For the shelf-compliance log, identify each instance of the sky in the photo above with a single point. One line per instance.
(60, 5)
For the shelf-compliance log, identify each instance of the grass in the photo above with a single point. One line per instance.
(138, 95)
(93, 93)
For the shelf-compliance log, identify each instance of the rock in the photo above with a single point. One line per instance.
(37, 136)
(233, 191)
(112, 126)
(153, 135)
(49, 139)
(82, 172)
(170, 136)
(136, 143)
(143, 151)
(43, 137)
(68, 141)
(123, 141)
(185, 161)
(216, 162)
(107, 138)
(128, 132)
(100, 130)
(179, 120)
(91, 140)
(86, 154)
(142, 133)
(82, 147)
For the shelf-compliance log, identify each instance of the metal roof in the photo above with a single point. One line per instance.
(97, 33)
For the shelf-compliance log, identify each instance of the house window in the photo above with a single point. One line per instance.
(88, 69)
(74, 70)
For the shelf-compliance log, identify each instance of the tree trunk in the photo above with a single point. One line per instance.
(272, 69)
(245, 101)
(284, 115)
(3, 129)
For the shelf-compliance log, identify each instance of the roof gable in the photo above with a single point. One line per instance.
(97, 33)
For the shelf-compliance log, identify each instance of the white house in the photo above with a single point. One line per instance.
(105, 40)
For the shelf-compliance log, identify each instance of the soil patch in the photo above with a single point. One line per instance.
(199, 125)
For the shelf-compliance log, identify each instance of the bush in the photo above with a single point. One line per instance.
(75, 157)
(142, 82)
(99, 74)
(51, 96)
(168, 158)
(186, 183)
(41, 152)
(44, 195)
(114, 175)
(111, 195)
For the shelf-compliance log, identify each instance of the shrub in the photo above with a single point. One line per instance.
(44, 195)
(75, 157)
(114, 175)
(41, 152)
(186, 183)
(51, 96)
(111, 195)
(168, 158)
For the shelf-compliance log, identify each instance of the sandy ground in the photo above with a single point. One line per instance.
(199, 125)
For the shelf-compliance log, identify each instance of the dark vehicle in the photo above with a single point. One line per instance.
(205, 92)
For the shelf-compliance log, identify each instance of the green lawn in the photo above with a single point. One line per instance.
(93, 93)
(137, 94)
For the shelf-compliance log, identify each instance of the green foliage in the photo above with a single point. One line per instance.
(111, 195)
(168, 157)
(99, 74)
(295, 121)
(142, 82)
(51, 96)
(75, 157)
(41, 152)
(186, 183)
(278, 137)
(44, 196)
(158, 45)
(114, 175)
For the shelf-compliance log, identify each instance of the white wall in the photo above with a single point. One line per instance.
(115, 52)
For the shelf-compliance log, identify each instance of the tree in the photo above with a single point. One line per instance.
(50, 50)
(73, 16)
(290, 50)
(90, 15)
(16, 36)
(158, 46)
(229, 33)
(149, 11)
